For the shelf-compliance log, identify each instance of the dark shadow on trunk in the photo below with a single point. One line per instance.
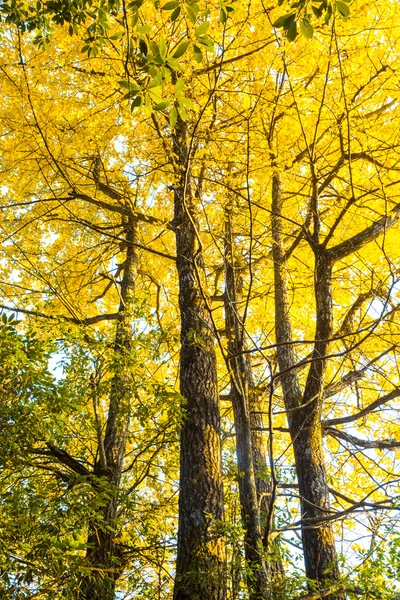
(304, 408)
(104, 556)
(258, 580)
(200, 567)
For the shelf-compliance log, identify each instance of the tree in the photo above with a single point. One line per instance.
(298, 144)
(254, 484)
(200, 554)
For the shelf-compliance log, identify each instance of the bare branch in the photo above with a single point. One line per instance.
(234, 59)
(365, 411)
(84, 321)
(63, 457)
(381, 444)
(356, 242)
(352, 376)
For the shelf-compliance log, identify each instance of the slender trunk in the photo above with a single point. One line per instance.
(263, 485)
(240, 375)
(304, 410)
(200, 567)
(260, 453)
(318, 542)
(317, 534)
(104, 556)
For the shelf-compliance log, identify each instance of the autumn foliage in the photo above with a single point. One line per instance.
(200, 280)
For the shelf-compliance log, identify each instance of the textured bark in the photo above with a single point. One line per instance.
(264, 489)
(319, 548)
(304, 409)
(104, 556)
(318, 542)
(361, 239)
(240, 376)
(200, 567)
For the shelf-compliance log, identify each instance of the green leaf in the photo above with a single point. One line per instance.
(191, 15)
(182, 112)
(328, 14)
(317, 11)
(162, 105)
(181, 49)
(129, 85)
(130, 94)
(280, 22)
(143, 29)
(306, 28)
(176, 14)
(289, 21)
(292, 32)
(148, 109)
(170, 6)
(173, 117)
(223, 17)
(154, 48)
(117, 36)
(180, 84)
(162, 48)
(186, 102)
(157, 80)
(135, 5)
(198, 55)
(173, 64)
(143, 47)
(138, 101)
(201, 29)
(342, 8)
(156, 94)
(206, 41)
(166, 73)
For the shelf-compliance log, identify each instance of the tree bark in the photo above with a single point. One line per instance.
(304, 409)
(306, 430)
(200, 567)
(264, 488)
(240, 377)
(104, 557)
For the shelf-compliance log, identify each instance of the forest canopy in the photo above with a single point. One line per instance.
(199, 297)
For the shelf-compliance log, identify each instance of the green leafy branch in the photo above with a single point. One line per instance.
(302, 13)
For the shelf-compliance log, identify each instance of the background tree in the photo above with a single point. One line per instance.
(302, 140)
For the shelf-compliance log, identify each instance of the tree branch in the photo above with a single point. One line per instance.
(381, 444)
(352, 376)
(84, 321)
(356, 242)
(234, 59)
(365, 411)
(63, 457)
(121, 210)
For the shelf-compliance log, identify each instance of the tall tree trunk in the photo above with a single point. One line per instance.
(200, 567)
(104, 556)
(318, 542)
(264, 486)
(240, 377)
(304, 410)
(260, 453)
